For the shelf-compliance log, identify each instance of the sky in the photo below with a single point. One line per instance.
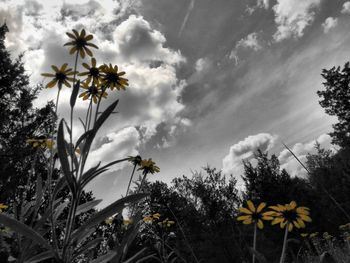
(210, 81)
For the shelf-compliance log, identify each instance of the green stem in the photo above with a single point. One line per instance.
(254, 242)
(71, 114)
(132, 175)
(284, 244)
(99, 102)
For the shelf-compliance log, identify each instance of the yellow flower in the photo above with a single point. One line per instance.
(252, 215)
(313, 235)
(289, 215)
(148, 166)
(166, 223)
(109, 220)
(93, 72)
(80, 43)
(41, 143)
(93, 91)
(127, 222)
(151, 218)
(327, 236)
(2, 206)
(60, 77)
(111, 78)
(304, 235)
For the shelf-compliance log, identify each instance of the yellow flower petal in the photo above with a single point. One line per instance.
(305, 218)
(247, 221)
(290, 227)
(251, 206)
(242, 218)
(260, 224)
(260, 207)
(245, 210)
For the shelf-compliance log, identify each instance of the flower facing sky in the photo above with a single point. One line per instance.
(60, 76)
(92, 91)
(112, 78)
(148, 166)
(289, 215)
(80, 43)
(252, 215)
(93, 73)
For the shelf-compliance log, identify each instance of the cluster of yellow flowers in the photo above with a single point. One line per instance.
(2, 206)
(41, 143)
(98, 78)
(288, 215)
(155, 217)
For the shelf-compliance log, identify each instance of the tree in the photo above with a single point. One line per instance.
(19, 121)
(336, 101)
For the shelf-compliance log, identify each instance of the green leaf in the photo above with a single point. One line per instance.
(87, 206)
(39, 192)
(89, 245)
(108, 211)
(40, 257)
(62, 155)
(23, 230)
(73, 97)
(98, 124)
(61, 182)
(87, 177)
(59, 210)
(135, 256)
(105, 258)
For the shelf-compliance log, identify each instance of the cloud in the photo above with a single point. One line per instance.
(263, 4)
(244, 150)
(136, 40)
(117, 145)
(292, 17)
(291, 165)
(346, 8)
(250, 42)
(329, 23)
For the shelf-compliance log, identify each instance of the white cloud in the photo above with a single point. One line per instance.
(244, 150)
(329, 23)
(346, 8)
(118, 145)
(291, 165)
(263, 4)
(293, 16)
(136, 40)
(251, 41)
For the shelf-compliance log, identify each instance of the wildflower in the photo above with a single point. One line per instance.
(151, 218)
(289, 215)
(166, 223)
(80, 43)
(111, 78)
(304, 235)
(109, 220)
(92, 91)
(41, 143)
(327, 236)
(93, 72)
(60, 77)
(252, 214)
(2, 206)
(127, 222)
(313, 235)
(148, 166)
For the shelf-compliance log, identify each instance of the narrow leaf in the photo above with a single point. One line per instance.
(40, 257)
(62, 155)
(135, 256)
(105, 258)
(23, 230)
(108, 211)
(39, 192)
(260, 257)
(59, 211)
(87, 206)
(73, 97)
(89, 245)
